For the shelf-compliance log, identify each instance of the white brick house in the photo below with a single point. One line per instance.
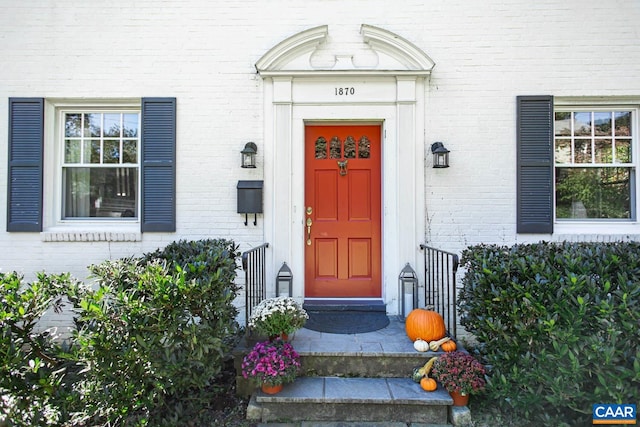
(122, 125)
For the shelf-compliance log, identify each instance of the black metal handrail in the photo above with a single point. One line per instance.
(254, 278)
(440, 268)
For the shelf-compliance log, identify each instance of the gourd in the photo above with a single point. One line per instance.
(423, 371)
(425, 324)
(449, 346)
(417, 374)
(421, 345)
(435, 345)
(427, 366)
(428, 384)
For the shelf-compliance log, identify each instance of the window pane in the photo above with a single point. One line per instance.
(364, 148)
(130, 151)
(72, 125)
(623, 123)
(321, 148)
(350, 148)
(92, 124)
(100, 192)
(335, 148)
(130, 123)
(112, 125)
(111, 151)
(563, 151)
(563, 124)
(72, 151)
(583, 151)
(604, 151)
(582, 124)
(623, 151)
(91, 151)
(602, 124)
(593, 193)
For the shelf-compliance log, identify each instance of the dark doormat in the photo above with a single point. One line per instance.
(346, 322)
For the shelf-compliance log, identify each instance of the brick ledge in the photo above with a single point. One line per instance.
(90, 236)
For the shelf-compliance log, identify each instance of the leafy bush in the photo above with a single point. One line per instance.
(212, 263)
(36, 376)
(154, 329)
(557, 324)
(153, 333)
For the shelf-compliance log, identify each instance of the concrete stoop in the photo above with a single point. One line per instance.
(360, 380)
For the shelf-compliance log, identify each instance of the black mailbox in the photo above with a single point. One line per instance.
(250, 198)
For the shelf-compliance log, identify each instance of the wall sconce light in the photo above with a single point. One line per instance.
(249, 155)
(440, 155)
(284, 281)
(408, 291)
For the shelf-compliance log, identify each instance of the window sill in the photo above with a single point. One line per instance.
(600, 231)
(63, 234)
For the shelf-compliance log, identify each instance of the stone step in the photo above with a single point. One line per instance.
(324, 398)
(342, 305)
(349, 424)
(362, 364)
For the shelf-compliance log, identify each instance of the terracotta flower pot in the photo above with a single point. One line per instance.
(271, 389)
(283, 335)
(459, 399)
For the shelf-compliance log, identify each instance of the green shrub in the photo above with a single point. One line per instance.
(36, 374)
(558, 325)
(154, 329)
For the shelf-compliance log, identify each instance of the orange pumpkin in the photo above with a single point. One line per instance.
(424, 324)
(449, 346)
(428, 384)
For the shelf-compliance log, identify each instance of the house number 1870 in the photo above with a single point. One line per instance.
(345, 91)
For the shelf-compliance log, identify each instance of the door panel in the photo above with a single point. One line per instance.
(360, 201)
(343, 211)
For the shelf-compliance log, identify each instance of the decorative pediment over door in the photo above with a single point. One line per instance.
(312, 52)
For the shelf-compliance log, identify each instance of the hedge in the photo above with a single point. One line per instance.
(557, 323)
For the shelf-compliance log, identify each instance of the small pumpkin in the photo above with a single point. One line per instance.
(421, 345)
(426, 324)
(428, 384)
(449, 346)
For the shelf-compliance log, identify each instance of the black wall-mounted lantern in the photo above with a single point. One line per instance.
(248, 154)
(440, 155)
(408, 291)
(284, 281)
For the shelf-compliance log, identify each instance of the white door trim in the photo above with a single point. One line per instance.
(394, 98)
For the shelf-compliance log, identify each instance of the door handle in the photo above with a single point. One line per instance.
(309, 224)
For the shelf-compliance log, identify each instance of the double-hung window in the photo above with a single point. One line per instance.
(100, 165)
(594, 164)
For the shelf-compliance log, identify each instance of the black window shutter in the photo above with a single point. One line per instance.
(535, 164)
(158, 164)
(24, 195)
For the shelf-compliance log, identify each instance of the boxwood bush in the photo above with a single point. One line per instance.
(558, 325)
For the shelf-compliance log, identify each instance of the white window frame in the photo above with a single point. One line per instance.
(595, 225)
(55, 111)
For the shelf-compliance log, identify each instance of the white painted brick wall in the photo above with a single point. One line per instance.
(203, 53)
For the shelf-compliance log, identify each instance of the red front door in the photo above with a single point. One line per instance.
(342, 211)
